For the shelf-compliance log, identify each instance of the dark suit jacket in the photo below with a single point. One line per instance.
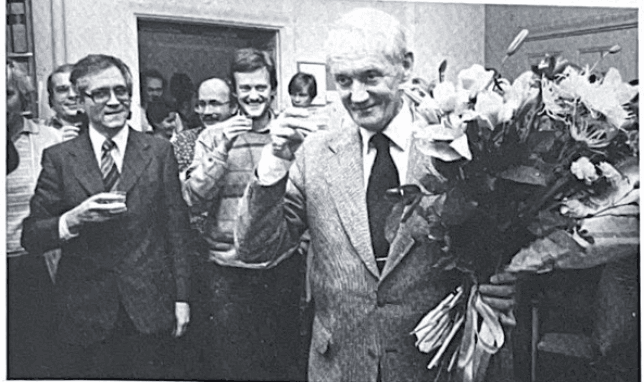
(363, 318)
(137, 260)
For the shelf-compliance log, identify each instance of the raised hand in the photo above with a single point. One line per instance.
(70, 132)
(289, 130)
(225, 132)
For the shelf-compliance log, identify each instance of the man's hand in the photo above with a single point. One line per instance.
(70, 132)
(226, 131)
(289, 130)
(95, 209)
(182, 314)
(499, 295)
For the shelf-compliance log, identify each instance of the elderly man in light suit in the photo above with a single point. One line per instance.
(369, 294)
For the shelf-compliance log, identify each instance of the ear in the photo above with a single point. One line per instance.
(408, 65)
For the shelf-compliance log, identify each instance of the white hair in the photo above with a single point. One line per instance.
(364, 31)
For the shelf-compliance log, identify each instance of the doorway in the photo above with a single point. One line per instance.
(200, 50)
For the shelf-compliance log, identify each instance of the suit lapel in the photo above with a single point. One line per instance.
(348, 192)
(85, 166)
(403, 241)
(136, 159)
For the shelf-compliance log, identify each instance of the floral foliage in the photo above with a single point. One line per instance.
(509, 157)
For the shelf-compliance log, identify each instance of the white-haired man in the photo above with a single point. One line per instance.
(369, 294)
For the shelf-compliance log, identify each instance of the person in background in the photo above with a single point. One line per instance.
(250, 327)
(29, 310)
(303, 89)
(182, 91)
(68, 116)
(111, 200)
(369, 290)
(164, 119)
(152, 89)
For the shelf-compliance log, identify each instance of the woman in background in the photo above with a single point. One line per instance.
(29, 286)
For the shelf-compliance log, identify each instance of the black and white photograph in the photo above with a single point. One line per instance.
(322, 190)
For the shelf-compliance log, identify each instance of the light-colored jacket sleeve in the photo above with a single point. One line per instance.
(204, 179)
(271, 219)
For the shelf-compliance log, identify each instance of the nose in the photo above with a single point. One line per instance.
(209, 109)
(71, 94)
(253, 94)
(359, 92)
(113, 101)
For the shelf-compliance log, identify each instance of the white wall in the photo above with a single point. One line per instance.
(437, 31)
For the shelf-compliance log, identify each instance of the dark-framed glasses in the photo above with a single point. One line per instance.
(102, 95)
(202, 104)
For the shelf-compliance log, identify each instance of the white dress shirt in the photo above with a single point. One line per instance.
(118, 152)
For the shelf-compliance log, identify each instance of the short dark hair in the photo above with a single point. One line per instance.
(248, 60)
(157, 111)
(64, 68)
(301, 81)
(94, 63)
(152, 73)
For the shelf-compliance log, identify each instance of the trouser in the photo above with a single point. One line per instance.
(124, 354)
(30, 318)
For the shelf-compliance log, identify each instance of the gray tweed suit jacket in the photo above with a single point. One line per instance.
(362, 318)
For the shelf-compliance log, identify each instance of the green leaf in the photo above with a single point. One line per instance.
(525, 174)
(458, 207)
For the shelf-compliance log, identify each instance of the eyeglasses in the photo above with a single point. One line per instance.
(102, 95)
(201, 104)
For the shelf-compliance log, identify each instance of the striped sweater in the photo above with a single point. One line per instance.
(21, 183)
(215, 182)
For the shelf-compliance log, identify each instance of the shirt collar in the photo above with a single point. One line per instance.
(120, 139)
(398, 131)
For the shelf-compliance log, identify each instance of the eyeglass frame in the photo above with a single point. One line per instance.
(123, 98)
(212, 102)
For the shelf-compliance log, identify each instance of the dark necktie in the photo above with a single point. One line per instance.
(108, 167)
(384, 176)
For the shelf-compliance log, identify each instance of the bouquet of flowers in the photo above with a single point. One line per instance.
(522, 176)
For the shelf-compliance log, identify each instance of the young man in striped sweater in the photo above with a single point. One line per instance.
(242, 339)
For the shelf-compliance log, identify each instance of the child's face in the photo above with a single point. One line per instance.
(301, 98)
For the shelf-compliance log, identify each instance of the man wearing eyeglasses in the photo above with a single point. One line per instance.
(241, 337)
(111, 200)
(63, 100)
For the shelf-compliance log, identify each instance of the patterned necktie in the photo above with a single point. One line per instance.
(384, 176)
(108, 167)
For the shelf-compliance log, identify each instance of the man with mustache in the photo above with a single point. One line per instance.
(63, 100)
(111, 200)
(241, 340)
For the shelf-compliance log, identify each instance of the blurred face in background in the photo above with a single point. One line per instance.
(254, 92)
(153, 90)
(64, 100)
(167, 126)
(301, 98)
(213, 102)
